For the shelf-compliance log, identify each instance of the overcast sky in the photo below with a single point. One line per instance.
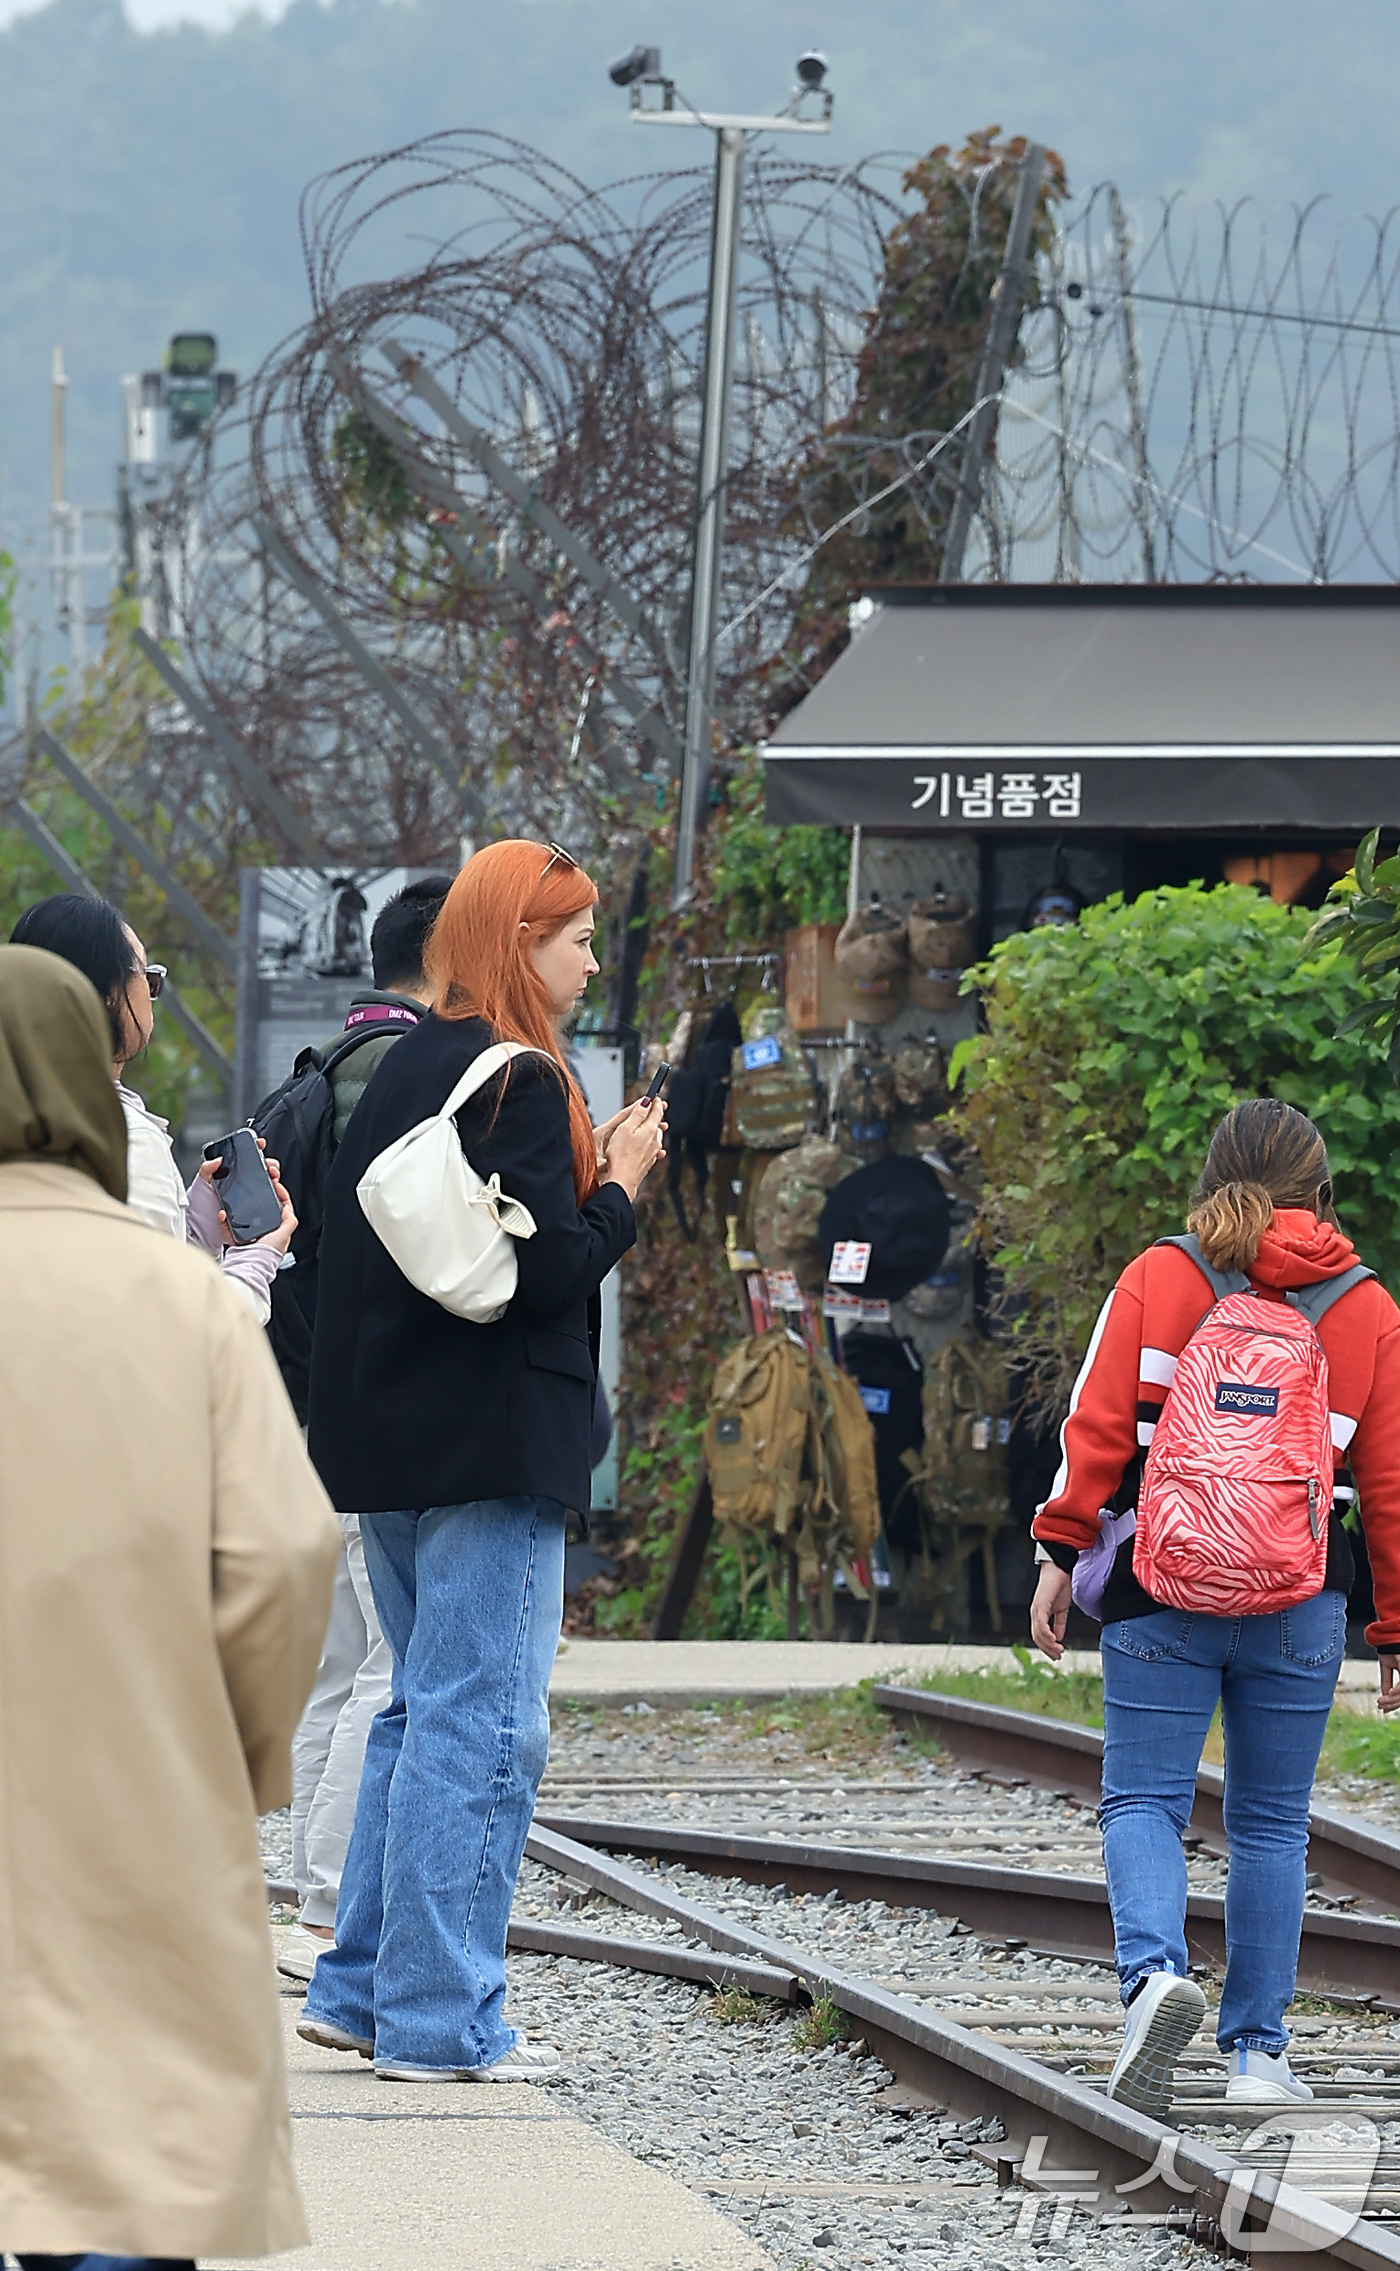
(148, 15)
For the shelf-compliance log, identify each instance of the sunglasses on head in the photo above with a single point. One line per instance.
(556, 852)
(155, 975)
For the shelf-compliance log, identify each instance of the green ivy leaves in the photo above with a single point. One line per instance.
(1362, 917)
(1112, 1048)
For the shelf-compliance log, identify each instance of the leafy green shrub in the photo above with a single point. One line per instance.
(1362, 916)
(766, 880)
(1112, 1048)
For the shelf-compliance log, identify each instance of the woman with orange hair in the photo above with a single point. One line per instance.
(463, 1448)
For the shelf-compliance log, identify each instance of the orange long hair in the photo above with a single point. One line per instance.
(478, 963)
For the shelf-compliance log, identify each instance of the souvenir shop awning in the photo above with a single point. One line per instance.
(1014, 707)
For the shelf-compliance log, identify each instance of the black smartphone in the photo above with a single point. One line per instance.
(658, 1081)
(244, 1187)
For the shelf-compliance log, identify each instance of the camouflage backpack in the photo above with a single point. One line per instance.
(788, 1208)
(866, 1103)
(961, 1473)
(920, 1072)
(772, 1092)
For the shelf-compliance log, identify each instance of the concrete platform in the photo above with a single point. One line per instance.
(469, 2177)
(677, 1673)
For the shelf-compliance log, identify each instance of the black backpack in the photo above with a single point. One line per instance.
(695, 1100)
(890, 1378)
(297, 1123)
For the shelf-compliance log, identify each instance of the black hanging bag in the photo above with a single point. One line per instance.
(891, 1379)
(695, 1100)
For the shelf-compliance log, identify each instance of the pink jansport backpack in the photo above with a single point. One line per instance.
(1237, 1487)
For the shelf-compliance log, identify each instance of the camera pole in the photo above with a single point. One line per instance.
(707, 558)
(638, 70)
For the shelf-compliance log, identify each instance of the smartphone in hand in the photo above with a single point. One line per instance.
(658, 1081)
(244, 1187)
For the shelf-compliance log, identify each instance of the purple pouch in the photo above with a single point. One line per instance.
(1091, 1571)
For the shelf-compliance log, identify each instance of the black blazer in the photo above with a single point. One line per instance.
(410, 1406)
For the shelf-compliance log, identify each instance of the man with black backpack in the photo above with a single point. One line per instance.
(309, 1115)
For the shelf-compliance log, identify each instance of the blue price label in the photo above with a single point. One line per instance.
(768, 1051)
(877, 1401)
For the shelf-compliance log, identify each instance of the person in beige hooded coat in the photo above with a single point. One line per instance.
(166, 1556)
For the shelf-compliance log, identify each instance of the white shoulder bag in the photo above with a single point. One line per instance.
(451, 1232)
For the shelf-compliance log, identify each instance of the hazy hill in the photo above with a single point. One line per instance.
(148, 181)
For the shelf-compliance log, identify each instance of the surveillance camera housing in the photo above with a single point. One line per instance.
(639, 63)
(811, 67)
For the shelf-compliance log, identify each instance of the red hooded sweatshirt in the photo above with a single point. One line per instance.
(1143, 1327)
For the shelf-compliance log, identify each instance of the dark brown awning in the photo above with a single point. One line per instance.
(1010, 707)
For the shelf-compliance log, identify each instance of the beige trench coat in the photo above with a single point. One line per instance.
(166, 1556)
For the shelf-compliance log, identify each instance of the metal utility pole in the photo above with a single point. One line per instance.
(707, 559)
(641, 69)
(138, 480)
(66, 541)
(1007, 296)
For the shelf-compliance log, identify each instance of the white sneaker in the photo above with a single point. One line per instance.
(296, 1958)
(1262, 2077)
(327, 2036)
(525, 2063)
(1157, 2025)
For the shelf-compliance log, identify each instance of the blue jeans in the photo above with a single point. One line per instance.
(471, 1599)
(1273, 1677)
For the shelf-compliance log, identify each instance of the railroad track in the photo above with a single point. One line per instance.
(982, 1984)
(1019, 2055)
(1349, 1860)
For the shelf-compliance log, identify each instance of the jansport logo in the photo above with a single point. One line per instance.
(1247, 1403)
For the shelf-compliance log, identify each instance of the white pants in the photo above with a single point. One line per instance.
(353, 1681)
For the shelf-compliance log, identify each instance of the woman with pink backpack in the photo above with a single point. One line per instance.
(1241, 1386)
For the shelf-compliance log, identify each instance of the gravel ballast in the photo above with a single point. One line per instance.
(813, 2150)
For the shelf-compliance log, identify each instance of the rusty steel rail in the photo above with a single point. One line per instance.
(1353, 1860)
(1059, 2135)
(665, 1957)
(1053, 1913)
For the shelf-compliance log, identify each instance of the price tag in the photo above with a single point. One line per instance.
(850, 1261)
(874, 1312)
(838, 1304)
(876, 1402)
(783, 1289)
(757, 1054)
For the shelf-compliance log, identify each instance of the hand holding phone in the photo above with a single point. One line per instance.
(243, 1187)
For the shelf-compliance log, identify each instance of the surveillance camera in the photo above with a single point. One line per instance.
(811, 67)
(638, 63)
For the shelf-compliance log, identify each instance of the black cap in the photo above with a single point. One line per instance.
(898, 1208)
